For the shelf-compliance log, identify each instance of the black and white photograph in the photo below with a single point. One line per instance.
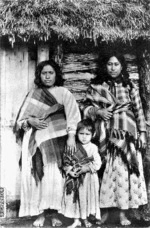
(75, 113)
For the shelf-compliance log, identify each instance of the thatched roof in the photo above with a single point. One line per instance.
(106, 20)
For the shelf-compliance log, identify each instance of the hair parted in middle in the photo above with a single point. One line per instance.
(59, 80)
(102, 75)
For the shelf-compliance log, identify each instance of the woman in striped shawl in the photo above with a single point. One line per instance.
(46, 124)
(113, 102)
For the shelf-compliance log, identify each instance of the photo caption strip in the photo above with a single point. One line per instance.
(2, 202)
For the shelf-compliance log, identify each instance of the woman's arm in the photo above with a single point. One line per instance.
(140, 118)
(95, 110)
(72, 117)
(37, 123)
(104, 113)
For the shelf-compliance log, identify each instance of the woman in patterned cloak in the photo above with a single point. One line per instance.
(113, 102)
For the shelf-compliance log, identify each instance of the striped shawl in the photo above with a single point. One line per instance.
(75, 161)
(46, 145)
(118, 135)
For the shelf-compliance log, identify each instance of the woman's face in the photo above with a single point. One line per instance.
(48, 76)
(113, 67)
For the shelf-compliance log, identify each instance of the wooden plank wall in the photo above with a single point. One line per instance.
(78, 70)
(2, 72)
(14, 86)
(15, 83)
(132, 67)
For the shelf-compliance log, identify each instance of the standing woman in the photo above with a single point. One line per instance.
(46, 125)
(115, 106)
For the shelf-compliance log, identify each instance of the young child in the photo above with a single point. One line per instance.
(81, 194)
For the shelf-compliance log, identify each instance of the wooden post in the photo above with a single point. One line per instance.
(14, 87)
(58, 54)
(43, 52)
(2, 97)
(144, 68)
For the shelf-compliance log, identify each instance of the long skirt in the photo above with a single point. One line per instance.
(47, 193)
(88, 202)
(119, 189)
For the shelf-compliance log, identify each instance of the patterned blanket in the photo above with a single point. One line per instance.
(46, 145)
(78, 159)
(117, 135)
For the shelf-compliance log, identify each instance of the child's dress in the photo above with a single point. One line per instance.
(88, 191)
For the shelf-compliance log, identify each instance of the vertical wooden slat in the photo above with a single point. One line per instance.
(43, 52)
(31, 73)
(144, 69)
(58, 54)
(14, 89)
(2, 102)
(16, 81)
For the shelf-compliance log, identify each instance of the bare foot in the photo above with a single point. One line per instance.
(75, 224)
(103, 219)
(86, 223)
(123, 219)
(40, 220)
(56, 222)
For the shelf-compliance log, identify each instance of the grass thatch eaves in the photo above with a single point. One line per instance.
(106, 20)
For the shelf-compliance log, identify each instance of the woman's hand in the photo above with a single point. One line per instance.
(142, 141)
(104, 113)
(37, 123)
(71, 144)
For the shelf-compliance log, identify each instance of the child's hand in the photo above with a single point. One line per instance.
(83, 169)
(73, 174)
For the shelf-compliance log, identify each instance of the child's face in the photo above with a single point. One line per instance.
(84, 136)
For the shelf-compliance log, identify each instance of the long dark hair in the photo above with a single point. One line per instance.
(59, 80)
(103, 76)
